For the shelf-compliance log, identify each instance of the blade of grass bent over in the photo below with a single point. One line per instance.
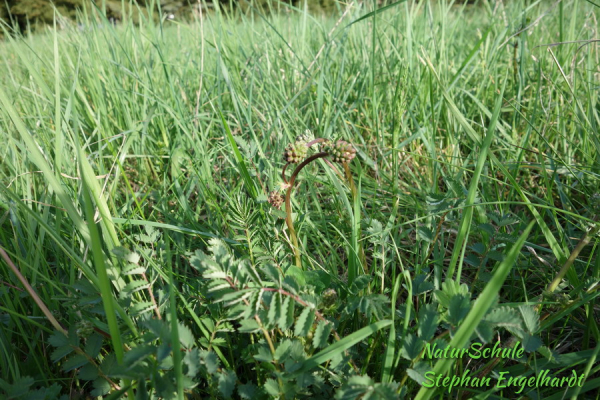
(108, 300)
(478, 311)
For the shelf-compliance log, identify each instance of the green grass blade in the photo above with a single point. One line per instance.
(105, 286)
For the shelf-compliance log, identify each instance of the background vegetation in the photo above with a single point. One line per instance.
(140, 254)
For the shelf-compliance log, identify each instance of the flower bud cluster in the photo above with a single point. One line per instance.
(275, 199)
(340, 151)
(84, 328)
(329, 297)
(295, 152)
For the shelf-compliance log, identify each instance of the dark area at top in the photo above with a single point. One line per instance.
(36, 14)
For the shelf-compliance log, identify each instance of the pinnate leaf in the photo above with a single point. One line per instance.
(322, 333)
(531, 318)
(286, 319)
(227, 383)
(274, 310)
(61, 352)
(93, 345)
(428, 321)
(304, 322)
(58, 339)
(101, 387)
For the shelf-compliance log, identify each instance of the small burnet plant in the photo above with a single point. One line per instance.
(275, 199)
(295, 152)
(339, 151)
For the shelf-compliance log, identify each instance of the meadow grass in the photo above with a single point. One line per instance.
(476, 188)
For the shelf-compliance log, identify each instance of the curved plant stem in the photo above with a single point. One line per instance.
(315, 141)
(283, 173)
(288, 204)
(312, 142)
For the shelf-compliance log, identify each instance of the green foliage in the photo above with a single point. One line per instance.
(364, 387)
(265, 302)
(22, 389)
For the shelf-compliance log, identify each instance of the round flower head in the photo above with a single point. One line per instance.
(275, 199)
(295, 152)
(340, 151)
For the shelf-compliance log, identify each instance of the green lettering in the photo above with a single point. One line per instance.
(519, 352)
(505, 353)
(446, 352)
(477, 348)
(428, 350)
(455, 382)
(496, 351)
(544, 378)
(429, 375)
(580, 380)
(446, 381)
(437, 382)
(464, 381)
(454, 353)
(500, 378)
(521, 382)
(572, 380)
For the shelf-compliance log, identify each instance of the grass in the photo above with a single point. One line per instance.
(471, 214)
